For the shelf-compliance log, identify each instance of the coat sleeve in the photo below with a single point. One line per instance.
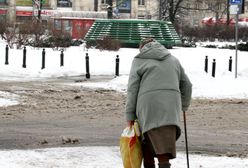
(132, 92)
(185, 89)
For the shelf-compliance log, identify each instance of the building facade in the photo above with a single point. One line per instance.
(21, 10)
(194, 10)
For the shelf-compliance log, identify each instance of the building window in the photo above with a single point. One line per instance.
(104, 1)
(141, 2)
(57, 24)
(3, 2)
(218, 6)
(141, 16)
(196, 6)
(67, 26)
(124, 6)
(64, 3)
(210, 6)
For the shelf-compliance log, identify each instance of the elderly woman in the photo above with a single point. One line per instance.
(158, 90)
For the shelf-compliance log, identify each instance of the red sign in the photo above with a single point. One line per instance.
(44, 12)
(30, 13)
(24, 13)
(3, 11)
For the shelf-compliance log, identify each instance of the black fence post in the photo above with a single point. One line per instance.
(117, 63)
(43, 59)
(62, 58)
(206, 64)
(213, 68)
(24, 57)
(87, 66)
(7, 55)
(230, 64)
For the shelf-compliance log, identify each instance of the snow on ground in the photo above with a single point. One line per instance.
(224, 85)
(8, 99)
(100, 157)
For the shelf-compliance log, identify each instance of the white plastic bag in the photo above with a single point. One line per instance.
(130, 147)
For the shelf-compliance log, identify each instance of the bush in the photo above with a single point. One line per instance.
(210, 33)
(243, 47)
(106, 43)
(34, 34)
(55, 40)
(76, 42)
(210, 46)
(8, 33)
(186, 43)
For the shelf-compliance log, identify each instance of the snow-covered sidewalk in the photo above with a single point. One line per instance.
(100, 157)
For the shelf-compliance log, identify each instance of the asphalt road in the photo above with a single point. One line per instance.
(55, 113)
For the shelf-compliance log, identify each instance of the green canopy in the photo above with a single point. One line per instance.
(130, 32)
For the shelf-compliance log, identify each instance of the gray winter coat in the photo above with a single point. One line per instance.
(158, 89)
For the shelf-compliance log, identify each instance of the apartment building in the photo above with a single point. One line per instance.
(194, 10)
(21, 10)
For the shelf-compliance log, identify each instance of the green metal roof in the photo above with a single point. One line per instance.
(130, 32)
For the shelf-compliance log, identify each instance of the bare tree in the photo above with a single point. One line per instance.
(8, 32)
(172, 10)
(227, 13)
(3, 27)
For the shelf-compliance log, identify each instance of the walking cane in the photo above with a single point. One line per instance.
(186, 139)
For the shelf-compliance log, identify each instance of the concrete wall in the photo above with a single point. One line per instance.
(85, 5)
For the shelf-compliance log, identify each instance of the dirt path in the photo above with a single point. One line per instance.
(53, 114)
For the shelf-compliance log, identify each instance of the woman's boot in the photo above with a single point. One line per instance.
(164, 165)
(152, 166)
